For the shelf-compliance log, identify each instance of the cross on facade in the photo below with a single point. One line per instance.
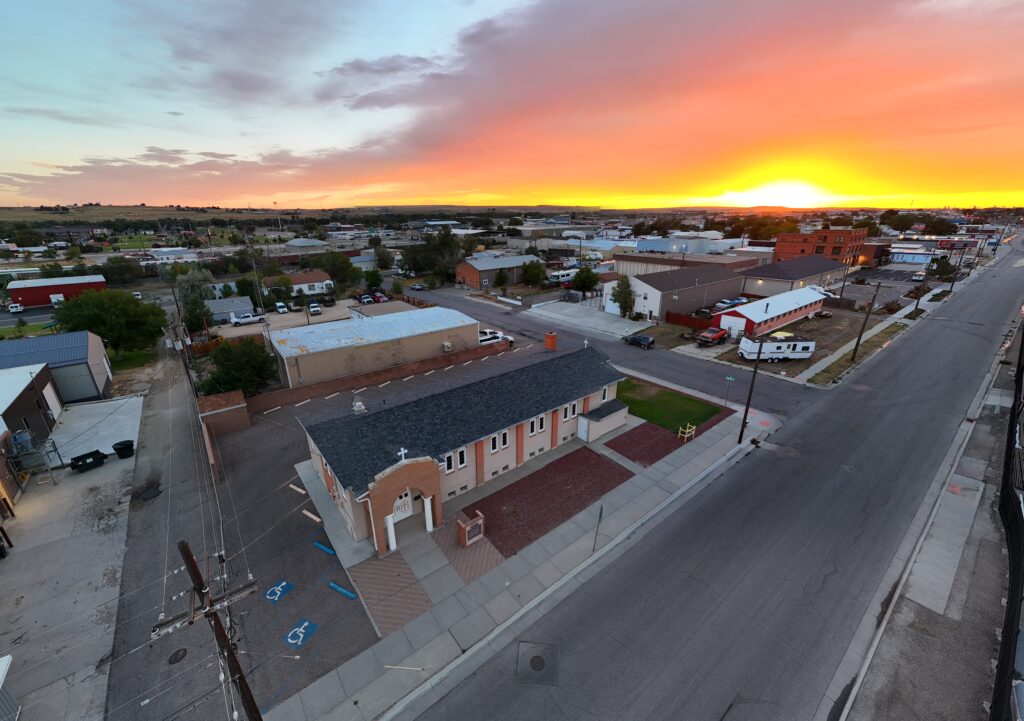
(402, 452)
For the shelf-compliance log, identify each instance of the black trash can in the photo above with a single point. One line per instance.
(124, 449)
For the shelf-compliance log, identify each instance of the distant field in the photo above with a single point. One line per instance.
(94, 214)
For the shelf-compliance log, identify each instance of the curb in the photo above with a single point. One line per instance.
(930, 505)
(410, 706)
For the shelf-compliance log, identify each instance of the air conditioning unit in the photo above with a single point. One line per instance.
(446, 347)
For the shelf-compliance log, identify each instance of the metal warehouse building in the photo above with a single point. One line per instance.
(40, 292)
(322, 351)
(78, 362)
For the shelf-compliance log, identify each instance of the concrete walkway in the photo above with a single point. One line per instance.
(470, 621)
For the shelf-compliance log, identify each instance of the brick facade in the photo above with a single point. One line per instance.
(842, 244)
(421, 475)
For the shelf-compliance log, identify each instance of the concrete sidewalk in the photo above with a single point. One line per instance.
(468, 622)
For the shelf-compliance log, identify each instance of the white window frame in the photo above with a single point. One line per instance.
(542, 418)
(504, 439)
(461, 458)
(573, 415)
(533, 427)
(494, 443)
(565, 413)
(449, 463)
(604, 394)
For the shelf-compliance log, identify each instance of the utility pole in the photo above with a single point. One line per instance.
(846, 272)
(956, 272)
(204, 603)
(750, 391)
(864, 325)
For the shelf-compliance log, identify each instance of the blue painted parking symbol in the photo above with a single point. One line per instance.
(278, 591)
(301, 633)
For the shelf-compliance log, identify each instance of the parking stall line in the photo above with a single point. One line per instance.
(517, 350)
(408, 378)
(501, 354)
(428, 373)
(302, 403)
(486, 357)
(384, 384)
(449, 368)
(467, 363)
(327, 398)
(360, 390)
(312, 515)
(272, 410)
(297, 489)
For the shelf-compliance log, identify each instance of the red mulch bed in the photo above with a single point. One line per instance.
(646, 444)
(519, 514)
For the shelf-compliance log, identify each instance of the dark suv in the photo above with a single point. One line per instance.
(644, 341)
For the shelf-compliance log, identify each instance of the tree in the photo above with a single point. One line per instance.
(243, 365)
(372, 278)
(501, 278)
(227, 290)
(384, 257)
(534, 273)
(7, 255)
(27, 237)
(585, 280)
(119, 270)
(514, 221)
(73, 253)
(195, 314)
(396, 287)
(374, 241)
(197, 282)
(940, 226)
(247, 287)
(622, 294)
(123, 322)
(532, 250)
(873, 230)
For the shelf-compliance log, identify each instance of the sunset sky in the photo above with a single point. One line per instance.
(325, 103)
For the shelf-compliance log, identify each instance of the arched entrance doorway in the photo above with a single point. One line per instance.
(410, 488)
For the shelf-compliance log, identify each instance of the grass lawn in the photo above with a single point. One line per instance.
(667, 335)
(663, 407)
(30, 329)
(845, 363)
(131, 359)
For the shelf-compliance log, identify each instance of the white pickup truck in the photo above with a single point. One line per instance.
(246, 319)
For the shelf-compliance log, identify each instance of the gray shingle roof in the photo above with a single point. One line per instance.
(359, 447)
(794, 269)
(59, 349)
(605, 409)
(669, 280)
(237, 304)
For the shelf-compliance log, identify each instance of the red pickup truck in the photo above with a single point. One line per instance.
(712, 336)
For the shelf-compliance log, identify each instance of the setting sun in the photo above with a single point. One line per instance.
(788, 193)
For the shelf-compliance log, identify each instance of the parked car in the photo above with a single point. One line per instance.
(280, 307)
(15, 308)
(366, 299)
(644, 341)
(380, 298)
(489, 335)
(712, 336)
(295, 306)
(136, 295)
(417, 286)
(823, 314)
(246, 319)
(315, 309)
(919, 276)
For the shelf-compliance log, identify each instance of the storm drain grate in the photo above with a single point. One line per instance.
(537, 664)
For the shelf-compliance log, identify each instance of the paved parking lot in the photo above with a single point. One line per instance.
(280, 321)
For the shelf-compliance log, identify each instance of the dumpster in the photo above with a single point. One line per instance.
(124, 449)
(88, 461)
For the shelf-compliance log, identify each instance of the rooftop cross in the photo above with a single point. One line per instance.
(402, 452)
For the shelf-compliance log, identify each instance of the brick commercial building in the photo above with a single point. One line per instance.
(786, 275)
(634, 264)
(480, 273)
(683, 290)
(336, 349)
(404, 462)
(842, 244)
(40, 292)
(768, 314)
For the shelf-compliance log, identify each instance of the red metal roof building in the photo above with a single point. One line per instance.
(40, 292)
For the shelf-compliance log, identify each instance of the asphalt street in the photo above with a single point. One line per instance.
(740, 605)
(32, 315)
(772, 394)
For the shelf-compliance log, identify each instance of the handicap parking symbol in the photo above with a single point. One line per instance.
(300, 634)
(278, 591)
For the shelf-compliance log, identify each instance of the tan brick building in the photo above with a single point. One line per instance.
(404, 462)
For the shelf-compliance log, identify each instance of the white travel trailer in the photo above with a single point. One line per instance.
(776, 347)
